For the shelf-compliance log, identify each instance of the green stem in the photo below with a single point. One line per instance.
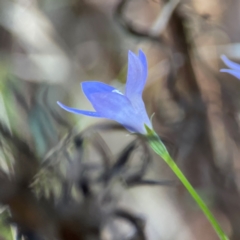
(157, 145)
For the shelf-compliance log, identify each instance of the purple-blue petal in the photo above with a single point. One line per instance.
(78, 111)
(135, 76)
(118, 107)
(230, 64)
(140, 110)
(235, 73)
(92, 87)
(143, 60)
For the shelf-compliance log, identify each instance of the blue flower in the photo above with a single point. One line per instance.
(234, 67)
(128, 109)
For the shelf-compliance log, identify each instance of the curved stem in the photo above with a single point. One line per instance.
(158, 146)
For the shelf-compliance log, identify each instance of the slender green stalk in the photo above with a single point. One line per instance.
(158, 146)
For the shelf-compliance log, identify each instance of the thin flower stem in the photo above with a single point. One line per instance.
(158, 146)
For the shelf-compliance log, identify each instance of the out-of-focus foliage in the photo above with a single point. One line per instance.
(72, 177)
(7, 231)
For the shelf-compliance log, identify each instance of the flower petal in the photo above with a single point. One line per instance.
(117, 107)
(235, 73)
(230, 64)
(143, 59)
(140, 109)
(78, 111)
(136, 77)
(95, 87)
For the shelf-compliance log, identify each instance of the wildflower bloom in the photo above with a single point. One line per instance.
(128, 109)
(234, 67)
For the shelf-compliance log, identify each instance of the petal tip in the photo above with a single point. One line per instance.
(140, 52)
(232, 72)
(62, 106)
(224, 58)
(130, 53)
(229, 63)
(59, 104)
(142, 57)
(82, 84)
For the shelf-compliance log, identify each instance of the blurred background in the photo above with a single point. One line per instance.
(66, 176)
